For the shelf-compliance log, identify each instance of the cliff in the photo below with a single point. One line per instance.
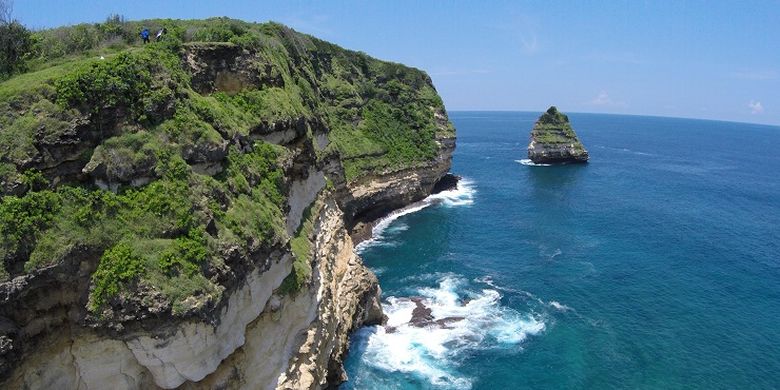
(178, 215)
(554, 141)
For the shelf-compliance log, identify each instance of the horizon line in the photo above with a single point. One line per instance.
(607, 113)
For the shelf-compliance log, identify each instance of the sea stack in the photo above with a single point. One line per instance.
(554, 141)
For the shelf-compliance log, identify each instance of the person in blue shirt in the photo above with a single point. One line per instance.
(145, 35)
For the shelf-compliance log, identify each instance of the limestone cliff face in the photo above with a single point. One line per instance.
(255, 331)
(554, 141)
(259, 340)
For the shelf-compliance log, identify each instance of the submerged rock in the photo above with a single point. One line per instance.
(422, 316)
(554, 141)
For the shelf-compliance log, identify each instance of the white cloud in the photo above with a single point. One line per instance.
(603, 99)
(755, 107)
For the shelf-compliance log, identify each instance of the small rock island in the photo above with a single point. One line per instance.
(554, 141)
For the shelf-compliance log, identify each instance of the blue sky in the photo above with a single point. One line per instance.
(701, 59)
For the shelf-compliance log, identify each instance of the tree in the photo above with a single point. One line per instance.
(15, 42)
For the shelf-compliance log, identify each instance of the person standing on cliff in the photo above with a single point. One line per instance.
(160, 34)
(145, 35)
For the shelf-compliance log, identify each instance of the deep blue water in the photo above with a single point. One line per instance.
(656, 265)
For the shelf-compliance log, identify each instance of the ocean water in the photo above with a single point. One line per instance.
(656, 265)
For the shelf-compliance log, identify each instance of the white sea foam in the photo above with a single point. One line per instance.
(462, 195)
(398, 227)
(559, 306)
(378, 271)
(477, 320)
(527, 162)
(554, 304)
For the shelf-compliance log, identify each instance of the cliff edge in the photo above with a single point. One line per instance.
(554, 141)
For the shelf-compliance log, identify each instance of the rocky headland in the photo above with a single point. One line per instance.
(553, 141)
(178, 215)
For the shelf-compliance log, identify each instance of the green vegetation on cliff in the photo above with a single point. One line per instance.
(123, 152)
(553, 128)
(301, 246)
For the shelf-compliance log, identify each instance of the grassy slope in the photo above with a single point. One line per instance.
(154, 238)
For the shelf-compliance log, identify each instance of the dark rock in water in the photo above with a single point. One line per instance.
(421, 315)
(554, 141)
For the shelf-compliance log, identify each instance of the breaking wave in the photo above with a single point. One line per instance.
(427, 336)
(461, 195)
(527, 162)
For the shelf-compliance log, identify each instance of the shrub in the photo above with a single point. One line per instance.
(186, 254)
(130, 79)
(80, 38)
(120, 81)
(269, 104)
(118, 266)
(34, 180)
(125, 157)
(115, 26)
(257, 170)
(23, 219)
(220, 30)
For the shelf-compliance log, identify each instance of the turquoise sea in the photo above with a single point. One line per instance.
(656, 265)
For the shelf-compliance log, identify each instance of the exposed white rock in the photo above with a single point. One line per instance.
(100, 361)
(197, 348)
(270, 342)
(344, 284)
(302, 194)
(86, 362)
(292, 342)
